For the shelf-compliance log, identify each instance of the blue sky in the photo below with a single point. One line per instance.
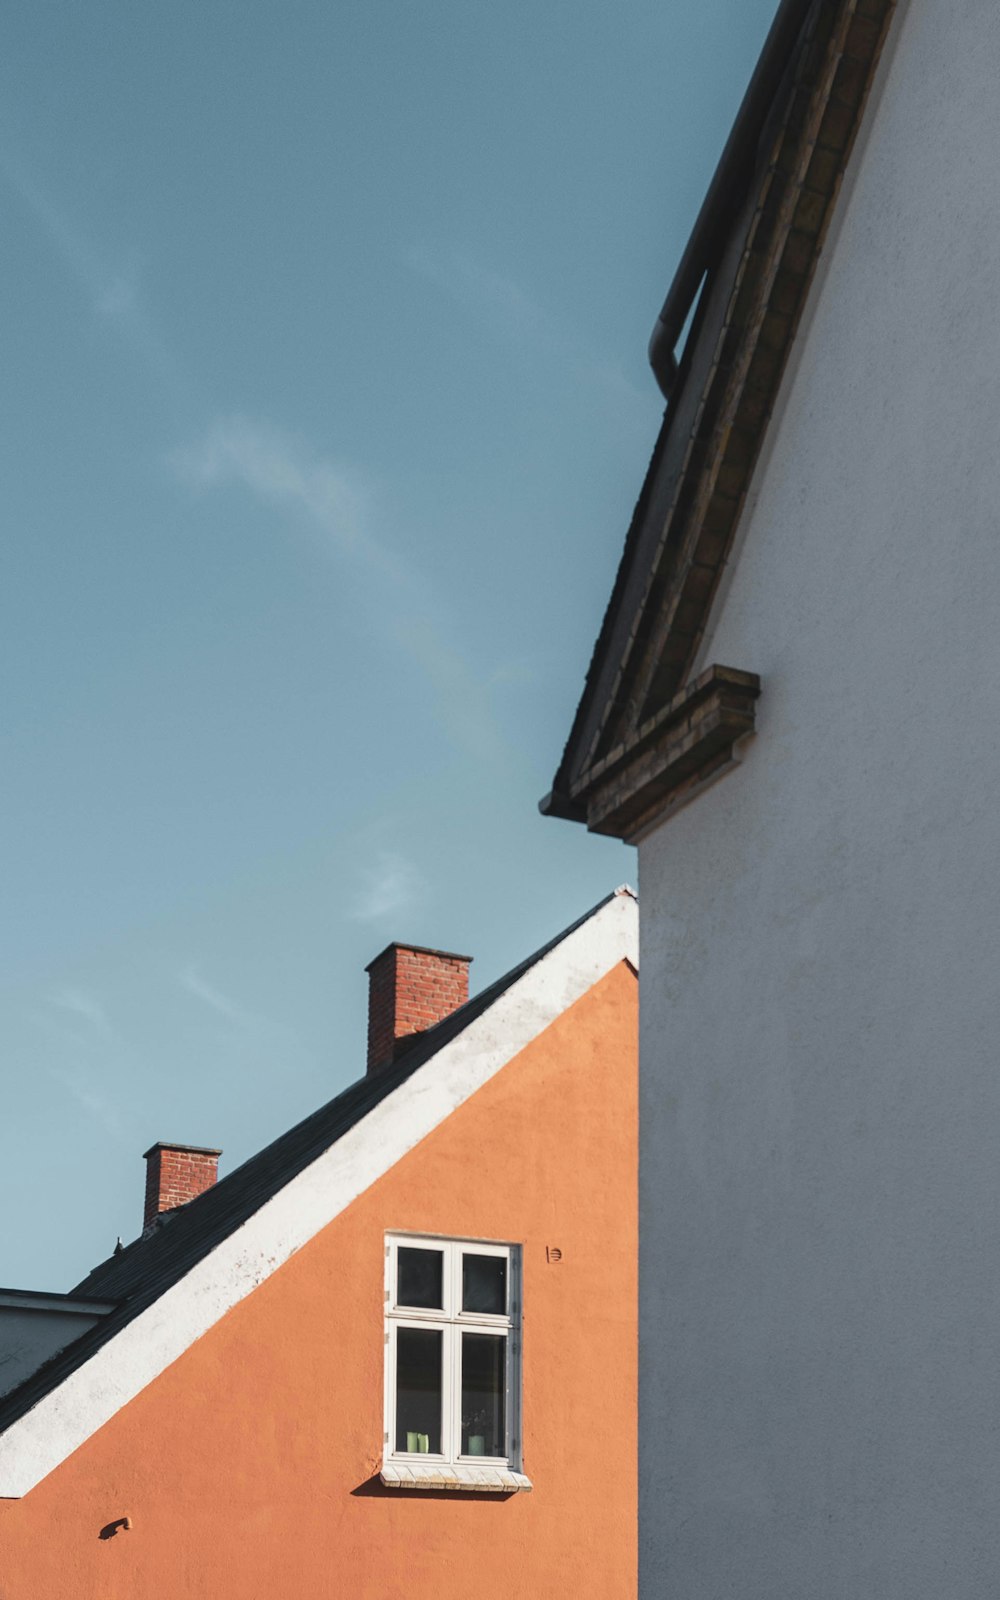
(325, 404)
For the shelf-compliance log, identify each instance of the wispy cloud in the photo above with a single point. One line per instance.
(84, 1086)
(283, 472)
(89, 1056)
(111, 288)
(463, 701)
(222, 1004)
(120, 294)
(329, 499)
(392, 884)
(520, 320)
(505, 304)
(82, 1005)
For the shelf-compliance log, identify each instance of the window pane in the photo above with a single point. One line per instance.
(418, 1390)
(484, 1284)
(484, 1380)
(420, 1278)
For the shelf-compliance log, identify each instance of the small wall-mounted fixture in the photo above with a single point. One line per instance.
(120, 1524)
(552, 1253)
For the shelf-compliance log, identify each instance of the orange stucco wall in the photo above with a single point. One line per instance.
(247, 1468)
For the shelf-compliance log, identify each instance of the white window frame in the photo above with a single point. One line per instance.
(452, 1321)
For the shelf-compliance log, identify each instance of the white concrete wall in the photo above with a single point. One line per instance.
(820, 932)
(30, 1336)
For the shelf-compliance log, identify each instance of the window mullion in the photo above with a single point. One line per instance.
(452, 1398)
(454, 1305)
(390, 1388)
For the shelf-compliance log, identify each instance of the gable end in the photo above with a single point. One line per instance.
(83, 1389)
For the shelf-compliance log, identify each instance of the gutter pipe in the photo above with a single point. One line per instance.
(727, 190)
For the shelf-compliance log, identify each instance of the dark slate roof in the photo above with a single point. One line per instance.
(145, 1269)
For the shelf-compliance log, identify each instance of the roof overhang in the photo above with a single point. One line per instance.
(749, 267)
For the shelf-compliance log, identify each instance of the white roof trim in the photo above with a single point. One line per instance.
(89, 1396)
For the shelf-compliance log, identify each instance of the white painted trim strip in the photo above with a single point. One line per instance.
(475, 1480)
(88, 1397)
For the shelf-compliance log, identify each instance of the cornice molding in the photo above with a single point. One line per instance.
(672, 756)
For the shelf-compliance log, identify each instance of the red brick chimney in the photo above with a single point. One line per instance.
(175, 1173)
(409, 989)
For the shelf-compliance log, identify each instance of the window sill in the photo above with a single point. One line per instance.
(438, 1475)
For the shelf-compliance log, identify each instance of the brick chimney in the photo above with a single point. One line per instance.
(409, 989)
(175, 1173)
